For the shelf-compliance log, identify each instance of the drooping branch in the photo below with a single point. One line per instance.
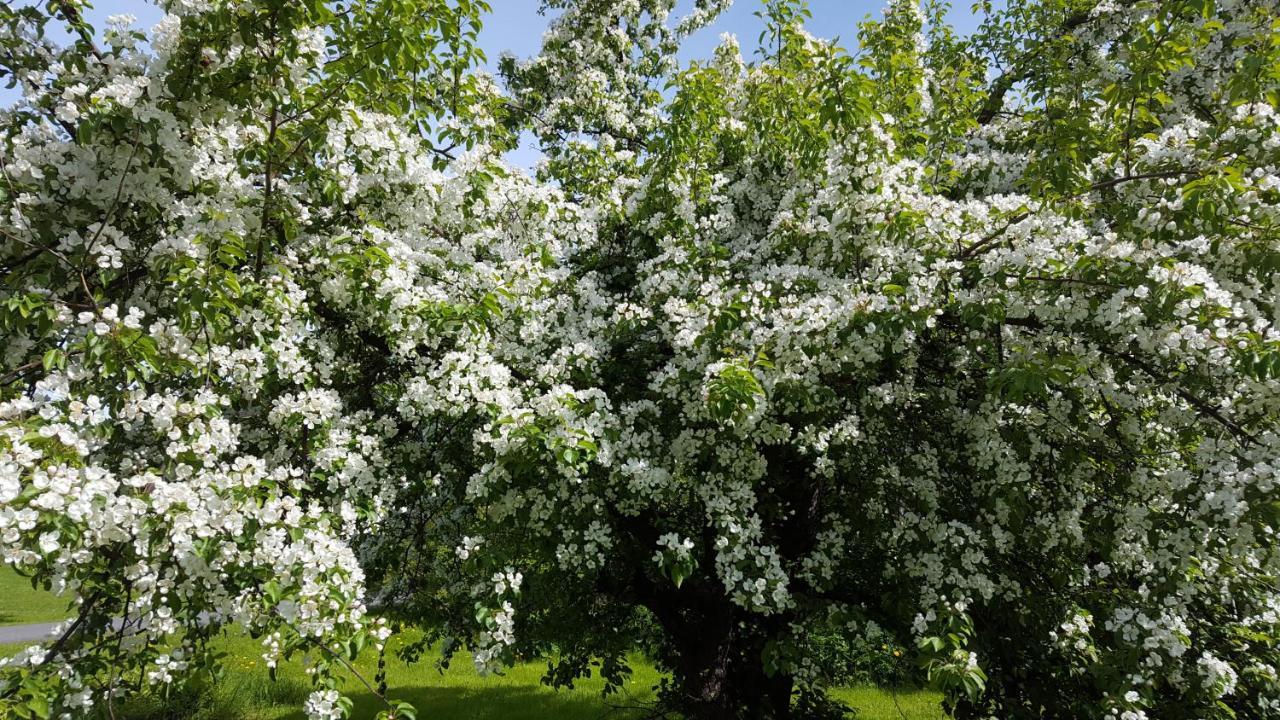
(994, 237)
(55, 650)
(1200, 404)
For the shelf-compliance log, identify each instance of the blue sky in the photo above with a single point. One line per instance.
(516, 26)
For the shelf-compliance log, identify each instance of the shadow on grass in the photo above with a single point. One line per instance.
(259, 698)
(501, 703)
(244, 698)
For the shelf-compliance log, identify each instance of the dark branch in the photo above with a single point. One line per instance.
(1021, 70)
(1196, 402)
(994, 237)
(1156, 374)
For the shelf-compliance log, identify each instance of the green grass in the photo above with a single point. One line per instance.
(19, 604)
(875, 703)
(459, 693)
(246, 691)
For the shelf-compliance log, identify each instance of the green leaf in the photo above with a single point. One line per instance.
(54, 359)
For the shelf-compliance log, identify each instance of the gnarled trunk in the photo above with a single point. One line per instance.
(714, 648)
(717, 659)
(727, 680)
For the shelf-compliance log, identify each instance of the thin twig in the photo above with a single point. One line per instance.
(350, 668)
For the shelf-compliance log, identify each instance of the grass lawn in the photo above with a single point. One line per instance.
(246, 692)
(874, 703)
(460, 693)
(19, 604)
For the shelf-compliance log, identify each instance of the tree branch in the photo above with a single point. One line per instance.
(72, 17)
(1196, 402)
(56, 649)
(1155, 374)
(992, 238)
(1021, 70)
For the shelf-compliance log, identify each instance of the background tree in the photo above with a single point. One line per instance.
(967, 341)
(193, 430)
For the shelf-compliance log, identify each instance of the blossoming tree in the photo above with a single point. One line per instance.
(972, 340)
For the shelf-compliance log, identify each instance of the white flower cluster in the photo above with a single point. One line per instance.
(1219, 677)
(492, 642)
(323, 705)
(673, 545)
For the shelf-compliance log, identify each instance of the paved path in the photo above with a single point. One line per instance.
(35, 632)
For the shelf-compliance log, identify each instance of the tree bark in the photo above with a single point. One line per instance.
(719, 666)
(714, 649)
(727, 680)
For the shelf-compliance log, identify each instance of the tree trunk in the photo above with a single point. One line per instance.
(714, 649)
(720, 672)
